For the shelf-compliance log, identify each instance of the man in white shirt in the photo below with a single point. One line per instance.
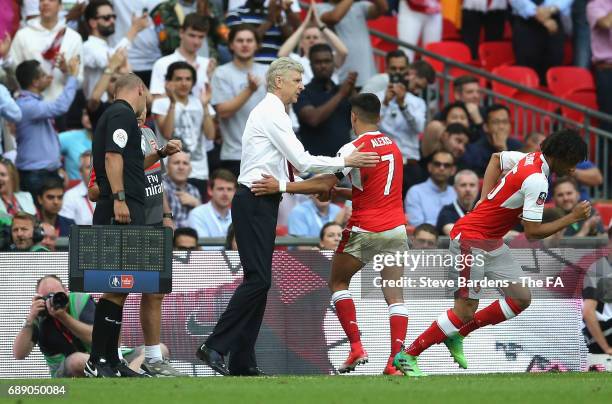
(181, 115)
(144, 50)
(193, 34)
(213, 218)
(270, 148)
(403, 118)
(100, 19)
(48, 40)
(77, 205)
(236, 90)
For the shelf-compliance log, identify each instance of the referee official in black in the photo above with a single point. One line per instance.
(269, 146)
(118, 161)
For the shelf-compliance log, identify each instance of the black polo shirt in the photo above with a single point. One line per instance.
(118, 132)
(331, 134)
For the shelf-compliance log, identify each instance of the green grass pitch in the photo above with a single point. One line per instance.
(588, 388)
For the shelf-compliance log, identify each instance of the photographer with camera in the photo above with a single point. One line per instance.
(403, 118)
(25, 235)
(61, 324)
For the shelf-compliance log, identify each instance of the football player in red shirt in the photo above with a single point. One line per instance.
(514, 190)
(376, 227)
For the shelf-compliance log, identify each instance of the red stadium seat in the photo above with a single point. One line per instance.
(526, 120)
(605, 211)
(586, 98)
(519, 74)
(281, 230)
(563, 80)
(457, 51)
(494, 54)
(386, 25)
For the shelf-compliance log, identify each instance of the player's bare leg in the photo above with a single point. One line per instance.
(398, 314)
(154, 362)
(344, 266)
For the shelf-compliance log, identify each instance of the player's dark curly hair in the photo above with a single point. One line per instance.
(565, 145)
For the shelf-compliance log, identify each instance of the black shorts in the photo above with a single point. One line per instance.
(104, 212)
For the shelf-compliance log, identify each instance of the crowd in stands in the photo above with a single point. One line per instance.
(205, 61)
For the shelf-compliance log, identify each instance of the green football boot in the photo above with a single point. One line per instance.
(455, 347)
(407, 364)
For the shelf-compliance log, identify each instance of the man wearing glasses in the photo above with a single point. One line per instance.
(100, 20)
(425, 200)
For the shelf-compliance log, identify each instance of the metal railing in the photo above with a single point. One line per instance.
(528, 117)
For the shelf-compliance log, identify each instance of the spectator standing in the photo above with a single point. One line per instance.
(49, 41)
(9, 111)
(236, 89)
(323, 108)
(50, 199)
(425, 201)
(12, 200)
(184, 116)
(599, 15)
(274, 23)
(537, 33)
(144, 50)
(193, 34)
(348, 18)
(419, 21)
(396, 66)
(100, 19)
(213, 218)
(466, 188)
(76, 204)
(488, 14)
(312, 31)
(581, 34)
(38, 148)
(181, 195)
(403, 119)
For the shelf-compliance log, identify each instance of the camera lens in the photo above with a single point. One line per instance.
(59, 300)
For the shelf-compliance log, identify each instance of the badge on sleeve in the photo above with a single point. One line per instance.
(541, 198)
(120, 137)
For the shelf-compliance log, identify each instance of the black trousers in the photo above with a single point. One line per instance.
(535, 47)
(473, 21)
(254, 219)
(231, 165)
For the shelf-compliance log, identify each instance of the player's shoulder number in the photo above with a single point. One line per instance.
(502, 182)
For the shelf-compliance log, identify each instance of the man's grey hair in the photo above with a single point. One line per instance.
(464, 173)
(280, 67)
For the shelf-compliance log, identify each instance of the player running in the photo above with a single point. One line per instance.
(377, 225)
(518, 196)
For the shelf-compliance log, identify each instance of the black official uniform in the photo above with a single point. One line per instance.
(118, 132)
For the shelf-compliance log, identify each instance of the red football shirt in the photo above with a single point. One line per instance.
(520, 194)
(377, 191)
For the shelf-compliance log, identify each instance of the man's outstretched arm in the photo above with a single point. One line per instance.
(316, 185)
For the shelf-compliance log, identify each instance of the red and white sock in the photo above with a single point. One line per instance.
(446, 325)
(398, 323)
(497, 312)
(345, 310)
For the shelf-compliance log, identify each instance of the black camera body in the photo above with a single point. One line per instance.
(397, 78)
(58, 300)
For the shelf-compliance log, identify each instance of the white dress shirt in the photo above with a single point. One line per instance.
(77, 206)
(269, 142)
(404, 126)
